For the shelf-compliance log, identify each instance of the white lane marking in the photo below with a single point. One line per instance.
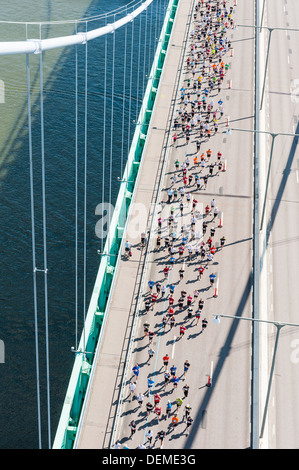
(172, 353)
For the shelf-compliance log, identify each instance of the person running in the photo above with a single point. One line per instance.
(175, 420)
(197, 316)
(168, 408)
(149, 436)
(182, 330)
(166, 361)
(186, 390)
(166, 271)
(128, 248)
(189, 421)
(161, 435)
(158, 412)
(146, 326)
(201, 304)
(166, 378)
(215, 213)
(140, 398)
(147, 305)
(186, 367)
(157, 398)
(209, 259)
(204, 324)
(133, 427)
(149, 408)
(151, 335)
(163, 291)
(179, 403)
(173, 370)
(187, 411)
(200, 272)
(154, 299)
(222, 241)
(175, 381)
(181, 273)
(136, 370)
(151, 353)
(150, 384)
(132, 390)
(212, 279)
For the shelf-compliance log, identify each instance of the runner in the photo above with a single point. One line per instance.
(136, 370)
(132, 426)
(204, 324)
(151, 353)
(186, 367)
(149, 436)
(132, 390)
(186, 390)
(168, 408)
(149, 408)
(166, 361)
(140, 398)
(161, 436)
(188, 424)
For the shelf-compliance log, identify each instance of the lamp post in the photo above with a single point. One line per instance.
(270, 29)
(273, 135)
(278, 326)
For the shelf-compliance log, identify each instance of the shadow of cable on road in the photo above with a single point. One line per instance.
(278, 198)
(198, 419)
(226, 347)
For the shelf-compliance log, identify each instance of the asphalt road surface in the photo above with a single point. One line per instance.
(280, 110)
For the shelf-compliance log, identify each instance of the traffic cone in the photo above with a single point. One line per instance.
(221, 221)
(229, 84)
(232, 53)
(224, 166)
(227, 121)
(209, 382)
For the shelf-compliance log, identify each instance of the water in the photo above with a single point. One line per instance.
(18, 397)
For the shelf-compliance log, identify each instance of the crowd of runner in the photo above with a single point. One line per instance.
(190, 233)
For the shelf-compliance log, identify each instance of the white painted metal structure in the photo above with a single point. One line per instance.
(36, 46)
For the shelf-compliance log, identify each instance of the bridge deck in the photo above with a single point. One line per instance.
(221, 413)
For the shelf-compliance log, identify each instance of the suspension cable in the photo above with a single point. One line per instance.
(124, 101)
(138, 66)
(85, 194)
(76, 195)
(104, 139)
(45, 269)
(33, 249)
(111, 132)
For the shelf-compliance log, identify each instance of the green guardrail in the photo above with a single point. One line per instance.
(73, 403)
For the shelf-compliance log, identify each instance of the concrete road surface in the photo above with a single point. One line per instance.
(281, 237)
(221, 353)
